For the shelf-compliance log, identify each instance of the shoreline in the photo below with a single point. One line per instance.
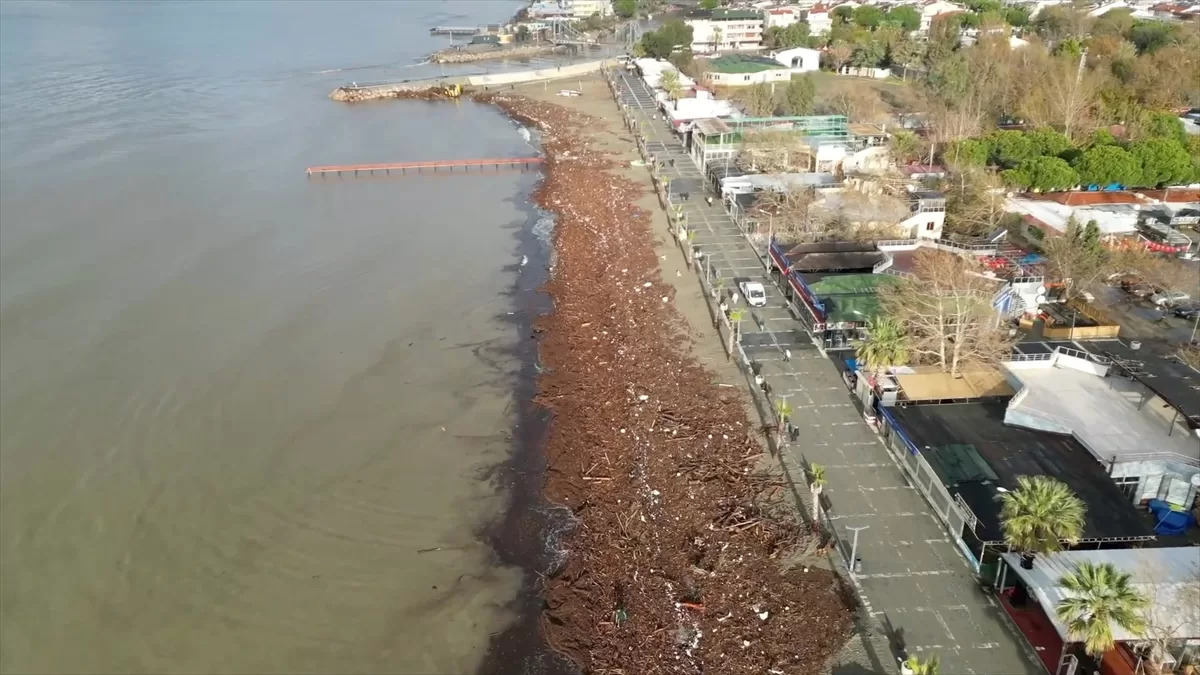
(675, 560)
(460, 56)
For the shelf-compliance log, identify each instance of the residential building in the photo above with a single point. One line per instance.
(725, 30)
(740, 70)
(820, 19)
(582, 9)
(800, 59)
(932, 9)
(781, 17)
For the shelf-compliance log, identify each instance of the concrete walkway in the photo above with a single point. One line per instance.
(917, 588)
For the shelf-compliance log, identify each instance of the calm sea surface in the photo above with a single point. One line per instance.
(235, 402)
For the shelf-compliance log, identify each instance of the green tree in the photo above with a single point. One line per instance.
(886, 345)
(1150, 36)
(1016, 16)
(674, 34)
(1162, 125)
(625, 8)
(1108, 164)
(758, 99)
(523, 33)
(906, 16)
(1163, 161)
(1045, 174)
(785, 37)
(816, 477)
(710, 4)
(969, 20)
(906, 146)
(1040, 515)
(670, 83)
(1010, 148)
(1098, 597)
(870, 54)
(1047, 141)
(799, 95)
(868, 16)
(967, 152)
(843, 14)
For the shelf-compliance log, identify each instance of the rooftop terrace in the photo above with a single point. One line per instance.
(973, 451)
(1113, 416)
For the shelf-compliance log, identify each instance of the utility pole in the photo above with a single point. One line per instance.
(854, 548)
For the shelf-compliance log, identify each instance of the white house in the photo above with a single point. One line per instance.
(820, 19)
(725, 30)
(781, 17)
(800, 59)
(931, 9)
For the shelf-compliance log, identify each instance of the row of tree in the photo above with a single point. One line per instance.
(1047, 160)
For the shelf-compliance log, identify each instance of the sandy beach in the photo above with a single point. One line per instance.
(680, 533)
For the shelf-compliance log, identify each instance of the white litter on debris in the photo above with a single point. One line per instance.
(643, 397)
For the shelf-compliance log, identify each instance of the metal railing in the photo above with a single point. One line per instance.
(1157, 456)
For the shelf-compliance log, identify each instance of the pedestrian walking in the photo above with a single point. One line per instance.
(733, 299)
(672, 161)
(709, 199)
(759, 381)
(787, 355)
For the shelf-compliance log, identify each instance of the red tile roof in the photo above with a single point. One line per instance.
(1174, 196)
(1079, 198)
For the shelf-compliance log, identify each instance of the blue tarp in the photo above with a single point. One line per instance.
(1170, 521)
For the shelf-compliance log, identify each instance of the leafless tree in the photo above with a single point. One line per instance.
(974, 202)
(773, 151)
(1173, 605)
(1077, 266)
(948, 314)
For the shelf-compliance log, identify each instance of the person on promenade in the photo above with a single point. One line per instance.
(759, 381)
(709, 199)
(787, 355)
(672, 162)
(733, 299)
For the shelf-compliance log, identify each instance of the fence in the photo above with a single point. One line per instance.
(952, 512)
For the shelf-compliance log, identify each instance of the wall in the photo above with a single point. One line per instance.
(916, 225)
(395, 89)
(747, 79)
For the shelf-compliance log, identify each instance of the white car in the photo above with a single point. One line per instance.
(755, 294)
(1169, 298)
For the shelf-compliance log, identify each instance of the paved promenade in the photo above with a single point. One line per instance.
(916, 586)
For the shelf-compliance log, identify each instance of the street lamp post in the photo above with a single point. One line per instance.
(854, 547)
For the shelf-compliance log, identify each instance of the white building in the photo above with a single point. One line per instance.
(781, 17)
(931, 9)
(1115, 220)
(652, 71)
(820, 19)
(725, 30)
(582, 9)
(800, 59)
(1099, 395)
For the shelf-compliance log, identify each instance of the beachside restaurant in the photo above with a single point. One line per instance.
(961, 452)
(831, 287)
(1168, 577)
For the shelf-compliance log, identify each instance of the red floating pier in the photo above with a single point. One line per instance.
(448, 165)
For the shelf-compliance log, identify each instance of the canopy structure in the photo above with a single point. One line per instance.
(1168, 577)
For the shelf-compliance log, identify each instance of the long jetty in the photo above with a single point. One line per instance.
(416, 167)
(454, 30)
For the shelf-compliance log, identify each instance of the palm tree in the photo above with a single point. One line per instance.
(1100, 596)
(886, 344)
(915, 666)
(735, 318)
(670, 83)
(1039, 515)
(816, 483)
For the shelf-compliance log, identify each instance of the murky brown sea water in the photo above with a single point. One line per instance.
(235, 403)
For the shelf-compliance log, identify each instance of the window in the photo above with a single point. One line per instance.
(929, 227)
(746, 78)
(1128, 486)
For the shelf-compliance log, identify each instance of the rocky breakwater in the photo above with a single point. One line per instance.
(422, 92)
(469, 55)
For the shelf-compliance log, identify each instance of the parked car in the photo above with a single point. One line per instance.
(755, 294)
(1144, 290)
(1187, 311)
(1169, 298)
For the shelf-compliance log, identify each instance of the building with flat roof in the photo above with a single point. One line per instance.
(743, 70)
(1169, 578)
(977, 455)
(719, 30)
(1135, 411)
